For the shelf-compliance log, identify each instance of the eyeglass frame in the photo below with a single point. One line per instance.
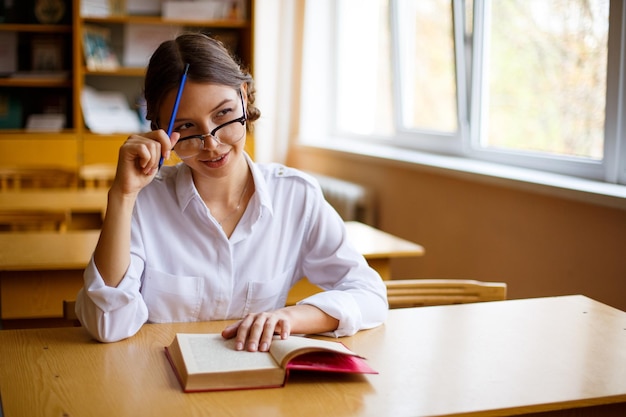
(243, 119)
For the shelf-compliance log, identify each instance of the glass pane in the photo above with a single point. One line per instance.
(546, 70)
(427, 66)
(363, 68)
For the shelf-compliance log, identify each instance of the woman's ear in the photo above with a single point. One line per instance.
(244, 92)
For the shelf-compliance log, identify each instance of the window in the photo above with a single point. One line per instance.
(425, 65)
(556, 51)
(531, 83)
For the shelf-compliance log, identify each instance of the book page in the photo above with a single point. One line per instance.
(210, 353)
(284, 350)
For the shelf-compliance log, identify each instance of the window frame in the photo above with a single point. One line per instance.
(428, 140)
(463, 143)
(316, 125)
(614, 133)
(579, 167)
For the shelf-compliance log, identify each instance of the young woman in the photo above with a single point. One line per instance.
(218, 236)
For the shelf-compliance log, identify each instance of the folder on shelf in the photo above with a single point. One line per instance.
(10, 112)
(8, 52)
(95, 8)
(108, 112)
(99, 55)
(140, 41)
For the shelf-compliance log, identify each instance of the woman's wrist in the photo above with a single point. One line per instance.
(308, 319)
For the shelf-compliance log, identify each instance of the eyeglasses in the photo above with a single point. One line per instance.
(226, 134)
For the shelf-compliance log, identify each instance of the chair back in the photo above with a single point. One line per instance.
(96, 175)
(69, 312)
(34, 220)
(17, 178)
(428, 292)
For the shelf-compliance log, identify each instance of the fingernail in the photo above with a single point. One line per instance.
(263, 347)
(252, 346)
(239, 346)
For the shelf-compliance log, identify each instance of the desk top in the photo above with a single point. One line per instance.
(26, 251)
(374, 243)
(32, 251)
(62, 199)
(496, 358)
(371, 242)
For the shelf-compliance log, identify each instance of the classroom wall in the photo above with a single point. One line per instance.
(541, 245)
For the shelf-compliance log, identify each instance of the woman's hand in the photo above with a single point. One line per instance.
(256, 331)
(138, 160)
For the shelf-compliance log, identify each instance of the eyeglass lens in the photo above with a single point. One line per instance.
(228, 133)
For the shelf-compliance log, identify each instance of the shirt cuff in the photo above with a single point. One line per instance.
(341, 306)
(109, 298)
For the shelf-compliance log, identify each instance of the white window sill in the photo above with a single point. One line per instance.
(578, 189)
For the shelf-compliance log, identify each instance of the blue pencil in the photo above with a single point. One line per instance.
(170, 127)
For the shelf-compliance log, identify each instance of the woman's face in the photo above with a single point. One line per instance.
(207, 109)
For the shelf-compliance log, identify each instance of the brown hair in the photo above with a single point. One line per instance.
(209, 62)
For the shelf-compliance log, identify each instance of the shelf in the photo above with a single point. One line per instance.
(23, 134)
(34, 28)
(35, 82)
(106, 136)
(158, 20)
(119, 72)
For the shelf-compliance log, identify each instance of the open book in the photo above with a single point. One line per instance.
(208, 362)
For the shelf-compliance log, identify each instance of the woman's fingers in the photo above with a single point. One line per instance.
(256, 331)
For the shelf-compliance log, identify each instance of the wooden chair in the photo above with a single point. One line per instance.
(69, 312)
(34, 220)
(16, 178)
(96, 175)
(428, 292)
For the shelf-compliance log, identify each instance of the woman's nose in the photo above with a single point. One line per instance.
(210, 142)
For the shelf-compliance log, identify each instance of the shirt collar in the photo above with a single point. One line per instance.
(262, 196)
(185, 189)
(261, 201)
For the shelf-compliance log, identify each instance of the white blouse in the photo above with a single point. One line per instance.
(184, 268)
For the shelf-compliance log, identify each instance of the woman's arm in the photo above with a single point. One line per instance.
(112, 253)
(137, 165)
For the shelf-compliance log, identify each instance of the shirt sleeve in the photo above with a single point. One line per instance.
(108, 313)
(354, 292)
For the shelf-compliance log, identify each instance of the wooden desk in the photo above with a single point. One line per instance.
(75, 200)
(40, 270)
(561, 355)
(45, 251)
(378, 248)
(86, 207)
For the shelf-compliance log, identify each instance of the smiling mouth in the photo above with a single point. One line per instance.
(216, 159)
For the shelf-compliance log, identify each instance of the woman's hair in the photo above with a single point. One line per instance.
(209, 62)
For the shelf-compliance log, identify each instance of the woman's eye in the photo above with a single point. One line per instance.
(223, 112)
(184, 127)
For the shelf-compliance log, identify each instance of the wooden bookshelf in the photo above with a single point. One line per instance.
(75, 145)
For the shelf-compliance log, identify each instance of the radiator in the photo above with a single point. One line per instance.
(352, 201)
